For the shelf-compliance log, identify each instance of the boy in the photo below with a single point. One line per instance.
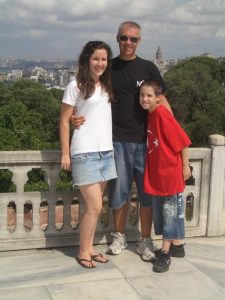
(166, 170)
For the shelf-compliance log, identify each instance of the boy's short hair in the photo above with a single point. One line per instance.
(153, 84)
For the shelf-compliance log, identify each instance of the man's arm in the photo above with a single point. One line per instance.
(77, 121)
(165, 102)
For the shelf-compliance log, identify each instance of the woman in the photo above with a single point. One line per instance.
(90, 155)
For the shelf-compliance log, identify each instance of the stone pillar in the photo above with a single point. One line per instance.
(217, 186)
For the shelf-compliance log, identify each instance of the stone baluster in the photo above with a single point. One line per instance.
(51, 214)
(3, 216)
(20, 179)
(36, 217)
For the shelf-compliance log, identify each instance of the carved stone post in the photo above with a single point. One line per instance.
(217, 186)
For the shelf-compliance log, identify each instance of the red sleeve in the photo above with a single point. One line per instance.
(172, 131)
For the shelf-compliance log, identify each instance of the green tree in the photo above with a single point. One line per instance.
(29, 117)
(197, 96)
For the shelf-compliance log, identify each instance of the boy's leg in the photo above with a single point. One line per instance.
(146, 221)
(173, 215)
(146, 247)
(166, 246)
(177, 246)
(163, 261)
(173, 229)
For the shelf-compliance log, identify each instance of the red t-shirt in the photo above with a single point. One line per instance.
(163, 170)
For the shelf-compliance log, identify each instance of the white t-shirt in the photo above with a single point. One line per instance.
(95, 134)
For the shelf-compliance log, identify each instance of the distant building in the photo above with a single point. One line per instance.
(163, 64)
(3, 76)
(208, 55)
(160, 62)
(17, 74)
(158, 55)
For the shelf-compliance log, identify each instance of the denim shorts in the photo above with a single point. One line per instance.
(130, 161)
(168, 216)
(93, 167)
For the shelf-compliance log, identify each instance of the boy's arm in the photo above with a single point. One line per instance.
(185, 160)
(165, 102)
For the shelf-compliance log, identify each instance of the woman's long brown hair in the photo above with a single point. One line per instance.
(85, 82)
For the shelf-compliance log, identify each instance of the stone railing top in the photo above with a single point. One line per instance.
(18, 157)
(217, 140)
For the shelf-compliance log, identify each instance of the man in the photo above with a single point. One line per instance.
(129, 138)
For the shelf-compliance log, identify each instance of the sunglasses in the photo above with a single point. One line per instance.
(125, 38)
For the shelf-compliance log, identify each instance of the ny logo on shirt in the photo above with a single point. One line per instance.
(139, 83)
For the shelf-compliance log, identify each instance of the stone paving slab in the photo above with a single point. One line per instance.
(178, 286)
(130, 264)
(49, 267)
(54, 274)
(33, 293)
(96, 290)
(208, 258)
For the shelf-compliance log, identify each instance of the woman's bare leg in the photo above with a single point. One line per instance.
(92, 196)
(92, 251)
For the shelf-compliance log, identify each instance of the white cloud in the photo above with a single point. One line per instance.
(61, 27)
(221, 33)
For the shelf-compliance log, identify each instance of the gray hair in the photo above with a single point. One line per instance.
(129, 24)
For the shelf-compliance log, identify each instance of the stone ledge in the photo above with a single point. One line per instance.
(216, 140)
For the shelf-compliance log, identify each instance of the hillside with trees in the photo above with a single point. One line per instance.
(29, 116)
(196, 91)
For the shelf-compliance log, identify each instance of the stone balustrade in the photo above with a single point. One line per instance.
(51, 219)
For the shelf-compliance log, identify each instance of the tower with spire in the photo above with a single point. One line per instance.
(158, 55)
(159, 61)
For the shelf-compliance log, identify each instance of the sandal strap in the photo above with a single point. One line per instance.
(83, 259)
(97, 255)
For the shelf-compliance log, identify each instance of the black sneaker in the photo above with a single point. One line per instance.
(177, 250)
(162, 262)
(157, 253)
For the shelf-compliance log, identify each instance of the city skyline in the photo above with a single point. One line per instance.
(56, 29)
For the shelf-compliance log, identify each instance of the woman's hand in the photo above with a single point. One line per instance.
(66, 162)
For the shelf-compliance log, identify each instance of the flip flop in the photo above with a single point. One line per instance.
(99, 255)
(80, 260)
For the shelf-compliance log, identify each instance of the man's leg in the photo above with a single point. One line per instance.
(120, 217)
(119, 238)
(119, 191)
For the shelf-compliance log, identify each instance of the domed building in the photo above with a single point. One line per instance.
(158, 54)
(159, 61)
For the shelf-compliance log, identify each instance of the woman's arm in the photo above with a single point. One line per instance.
(65, 116)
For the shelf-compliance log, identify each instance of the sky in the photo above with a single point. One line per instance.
(58, 29)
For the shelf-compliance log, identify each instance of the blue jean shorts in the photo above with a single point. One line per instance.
(93, 167)
(130, 161)
(168, 216)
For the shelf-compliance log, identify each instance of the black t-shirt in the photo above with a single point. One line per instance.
(129, 119)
